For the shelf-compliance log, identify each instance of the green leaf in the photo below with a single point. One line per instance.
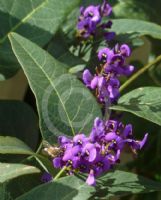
(65, 105)
(66, 188)
(133, 9)
(37, 20)
(4, 194)
(120, 183)
(144, 102)
(116, 183)
(10, 171)
(19, 120)
(11, 145)
(128, 26)
(61, 52)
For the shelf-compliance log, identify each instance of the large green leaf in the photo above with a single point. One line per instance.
(65, 105)
(66, 188)
(37, 20)
(116, 183)
(9, 171)
(128, 26)
(11, 145)
(144, 102)
(133, 9)
(120, 183)
(17, 119)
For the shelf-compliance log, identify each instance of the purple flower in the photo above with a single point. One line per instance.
(92, 12)
(80, 139)
(109, 36)
(90, 152)
(89, 21)
(105, 54)
(57, 162)
(136, 144)
(46, 177)
(91, 178)
(106, 9)
(125, 50)
(99, 152)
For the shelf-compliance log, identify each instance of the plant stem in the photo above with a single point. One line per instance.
(140, 72)
(59, 173)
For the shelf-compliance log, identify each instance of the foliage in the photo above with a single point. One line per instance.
(41, 38)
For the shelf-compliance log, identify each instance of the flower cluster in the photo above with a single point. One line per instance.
(98, 152)
(105, 82)
(90, 19)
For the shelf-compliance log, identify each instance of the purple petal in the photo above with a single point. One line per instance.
(125, 50)
(93, 13)
(79, 138)
(103, 54)
(111, 136)
(67, 155)
(109, 36)
(87, 77)
(46, 177)
(62, 140)
(57, 162)
(106, 9)
(92, 155)
(94, 82)
(128, 70)
(127, 131)
(143, 141)
(101, 82)
(75, 150)
(91, 179)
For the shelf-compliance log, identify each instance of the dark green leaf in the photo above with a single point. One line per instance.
(120, 183)
(127, 26)
(133, 9)
(11, 145)
(61, 52)
(9, 171)
(4, 194)
(66, 188)
(18, 120)
(65, 105)
(37, 20)
(144, 102)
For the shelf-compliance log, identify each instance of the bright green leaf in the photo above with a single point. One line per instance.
(144, 102)
(65, 105)
(11, 145)
(128, 26)
(9, 171)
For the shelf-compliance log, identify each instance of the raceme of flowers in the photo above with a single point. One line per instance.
(90, 21)
(100, 151)
(105, 82)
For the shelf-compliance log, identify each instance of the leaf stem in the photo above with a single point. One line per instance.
(140, 72)
(59, 173)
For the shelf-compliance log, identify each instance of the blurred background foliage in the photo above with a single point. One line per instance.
(145, 49)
